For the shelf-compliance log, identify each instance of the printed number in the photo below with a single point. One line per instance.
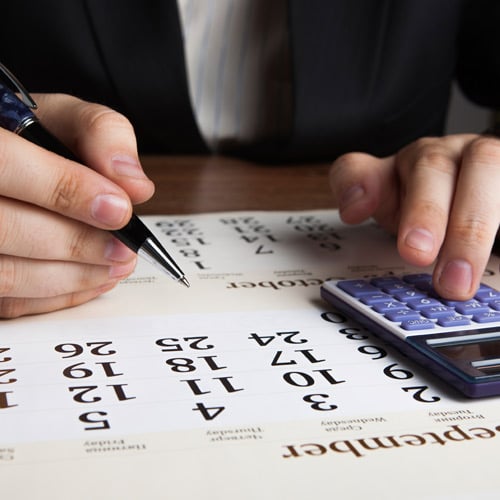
(81, 391)
(172, 344)
(79, 396)
(320, 405)
(397, 373)
(88, 418)
(6, 359)
(197, 390)
(77, 371)
(419, 390)
(73, 350)
(353, 333)
(4, 400)
(306, 352)
(6, 372)
(333, 317)
(184, 365)
(301, 379)
(374, 351)
(288, 337)
(209, 412)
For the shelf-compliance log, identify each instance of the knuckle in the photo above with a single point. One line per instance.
(415, 148)
(89, 276)
(346, 170)
(79, 243)
(347, 162)
(436, 159)
(8, 275)
(485, 150)
(11, 308)
(421, 144)
(429, 209)
(66, 190)
(474, 232)
(98, 118)
(6, 236)
(72, 299)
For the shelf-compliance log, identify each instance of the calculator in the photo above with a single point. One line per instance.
(459, 341)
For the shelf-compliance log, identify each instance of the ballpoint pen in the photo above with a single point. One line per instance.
(17, 116)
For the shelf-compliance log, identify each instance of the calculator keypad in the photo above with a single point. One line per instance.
(411, 302)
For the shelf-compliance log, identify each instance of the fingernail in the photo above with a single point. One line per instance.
(117, 251)
(420, 239)
(122, 270)
(351, 195)
(128, 166)
(456, 277)
(109, 209)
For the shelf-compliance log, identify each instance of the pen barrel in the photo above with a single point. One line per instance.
(14, 114)
(37, 134)
(134, 234)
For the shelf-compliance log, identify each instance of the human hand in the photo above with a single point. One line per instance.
(439, 195)
(53, 250)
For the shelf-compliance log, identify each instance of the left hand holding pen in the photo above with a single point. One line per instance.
(439, 195)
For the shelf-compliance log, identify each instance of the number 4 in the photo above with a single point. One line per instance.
(209, 412)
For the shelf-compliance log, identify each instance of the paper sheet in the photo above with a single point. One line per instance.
(246, 385)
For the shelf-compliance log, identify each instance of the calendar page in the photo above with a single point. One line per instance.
(246, 385)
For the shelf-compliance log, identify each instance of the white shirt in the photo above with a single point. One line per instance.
(238, 70)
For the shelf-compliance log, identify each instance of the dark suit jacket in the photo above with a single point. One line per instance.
(367, 75)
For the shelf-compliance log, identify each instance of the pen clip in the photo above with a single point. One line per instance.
(17, 86)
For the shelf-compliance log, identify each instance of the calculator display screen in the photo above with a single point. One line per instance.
(481, 350)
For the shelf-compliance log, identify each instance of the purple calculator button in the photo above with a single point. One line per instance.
(422, 281)
(419, 303)
(471, 307)
(434, 312)
(374, 298)
(451, 303)
(487, 294)
(408, 294)
(399, 315)
(486, 317)
(357, 288)
(382, 281)
(418, 324)
(397, 286)
(455, 320)
(495, 304)
(388, 305)
(415, 278)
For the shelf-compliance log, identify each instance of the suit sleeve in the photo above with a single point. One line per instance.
(478, 67)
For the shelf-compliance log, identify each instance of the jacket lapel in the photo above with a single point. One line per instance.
(137, 42)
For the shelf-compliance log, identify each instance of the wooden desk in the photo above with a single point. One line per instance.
(192, 184)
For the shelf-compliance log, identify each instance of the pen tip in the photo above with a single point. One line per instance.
(185, 282)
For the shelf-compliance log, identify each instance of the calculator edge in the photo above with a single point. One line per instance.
(468, 388)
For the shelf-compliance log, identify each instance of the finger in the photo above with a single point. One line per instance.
(428, 170)
(364, 186)
(473, 222)
(31, 174)
(102, 138)
(27, 231)
(26, 278)
(15, 307)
